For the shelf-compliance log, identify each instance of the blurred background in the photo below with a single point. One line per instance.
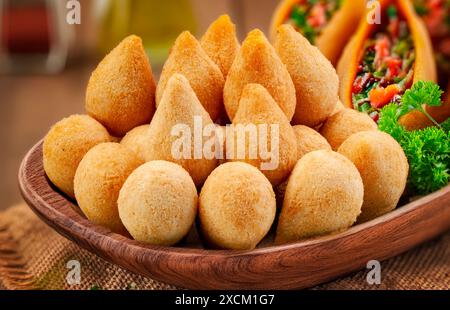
(47, 52)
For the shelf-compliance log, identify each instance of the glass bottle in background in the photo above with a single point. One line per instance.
(34, 36)
(157, 22)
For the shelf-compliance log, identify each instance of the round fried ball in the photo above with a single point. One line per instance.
(338, 108)
(98, 180)
(338, 127)
(383, 167)
(158, 203)
(309, 140)
(237, 206)
(324, 194)
(135, 140)
(65, 145)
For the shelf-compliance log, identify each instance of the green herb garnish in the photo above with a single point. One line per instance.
(392, 11)
(421, 93)
(427, 150)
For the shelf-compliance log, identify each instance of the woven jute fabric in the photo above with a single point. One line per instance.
(33, 256)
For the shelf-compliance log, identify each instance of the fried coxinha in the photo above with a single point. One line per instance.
(436, 16)
(327, 24)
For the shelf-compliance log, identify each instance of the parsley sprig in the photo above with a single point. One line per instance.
(428, 149)
(420, 93)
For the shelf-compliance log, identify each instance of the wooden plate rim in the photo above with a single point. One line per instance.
(80, 229)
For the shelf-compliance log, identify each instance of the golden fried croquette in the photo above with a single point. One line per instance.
(237, 207)
(309, 140)
(98, 180)
(189, 59)
(315, 79)
(220, 43)
(257, 62)
(116, 139)
(256, 108)
(158, 203)
(121, 91)
(136, 139)
(220, 135)
(338, 108)
(280, 190)
(383, 167)
(324, 194)
(338, 127)
(65, 145)
(178, 107)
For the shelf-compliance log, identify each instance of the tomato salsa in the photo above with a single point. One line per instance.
(386, 67)
(309, 17)
(436, 15)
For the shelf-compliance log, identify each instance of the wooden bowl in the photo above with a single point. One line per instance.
(297, 265)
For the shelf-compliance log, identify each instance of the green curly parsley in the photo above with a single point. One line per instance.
(427, 150)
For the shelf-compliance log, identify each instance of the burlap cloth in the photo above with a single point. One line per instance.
(33, 256)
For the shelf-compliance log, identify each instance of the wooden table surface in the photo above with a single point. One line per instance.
(29, 105)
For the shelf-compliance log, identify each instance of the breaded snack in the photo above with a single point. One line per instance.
(315, 79)
(220, 43)
(327, 24)
(174, 124)
(136, 139)
(65, 145)
(221, 151)
(188, 58)
(115, 139)
(324, 195)
(383, 167)
(237, 207)
(338, 127)
(309, 140)
(98, 180)
(257, 62)
(401, 59)
(442, 112)
(258, 112)
(338, 108)
(121, 91)
(158, 203)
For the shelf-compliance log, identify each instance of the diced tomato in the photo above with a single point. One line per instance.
(360, 82)
(357, 85)
(382, 47)
(394, 65)
(380, 96)
(435, 18)
(359, 69)
(375, 116)
(434, 4)
(394, 27)
(317, 16)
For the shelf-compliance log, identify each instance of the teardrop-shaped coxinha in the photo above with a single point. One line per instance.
(384, 59)
(327, 24)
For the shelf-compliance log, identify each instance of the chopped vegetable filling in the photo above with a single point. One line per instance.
(386, 67)
(436, 15)
(309, 17)
(428, 149)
